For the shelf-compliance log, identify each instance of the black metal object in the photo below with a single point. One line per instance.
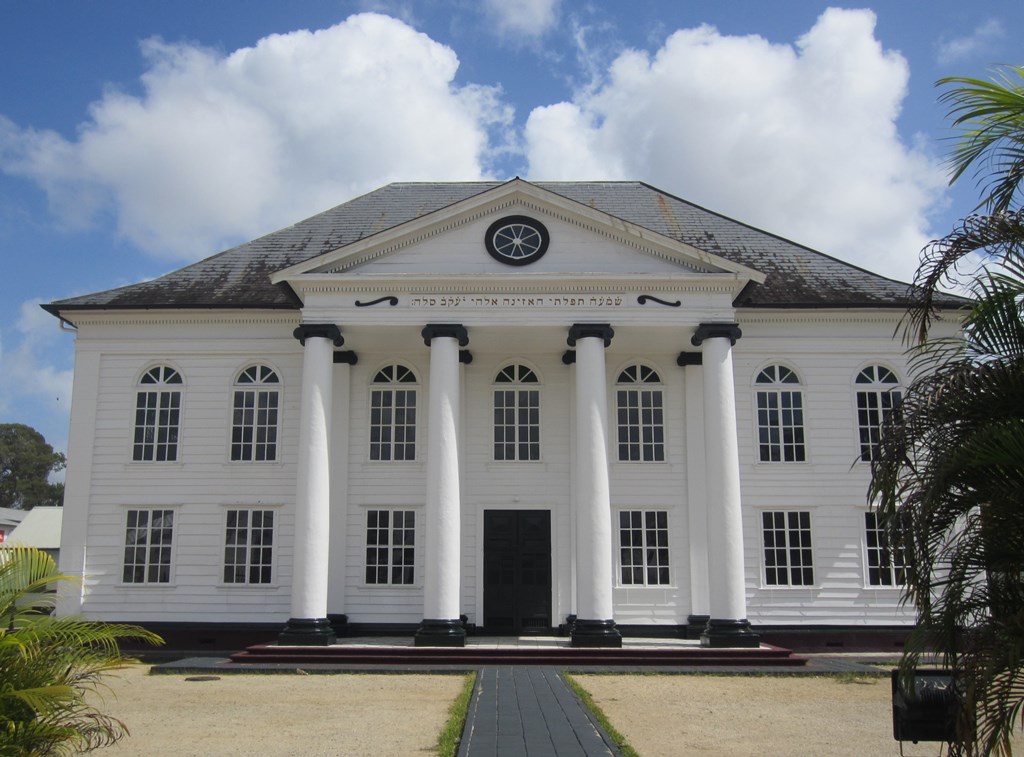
(928, 713)
(645, 298)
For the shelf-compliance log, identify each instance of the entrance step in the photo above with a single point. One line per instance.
(474, 655)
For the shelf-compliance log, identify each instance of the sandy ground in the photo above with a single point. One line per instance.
(396, 715)
(766, 716)
(279, 714)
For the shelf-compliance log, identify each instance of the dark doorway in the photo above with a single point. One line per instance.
(517, 571)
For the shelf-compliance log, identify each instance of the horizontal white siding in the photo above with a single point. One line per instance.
(826, 353)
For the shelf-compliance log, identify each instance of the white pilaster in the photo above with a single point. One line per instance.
(340, 428)
(595, 580)
(77, 480)
(697, 501)
(443, 543)
(308, 624)
(727, 599)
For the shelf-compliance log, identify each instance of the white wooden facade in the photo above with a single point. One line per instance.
(598, 269)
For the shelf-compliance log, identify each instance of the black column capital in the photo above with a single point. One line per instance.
(730, 331)
(455, 330)
(324, 330)
(581, 330)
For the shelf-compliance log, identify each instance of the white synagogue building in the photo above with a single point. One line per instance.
(519, 407)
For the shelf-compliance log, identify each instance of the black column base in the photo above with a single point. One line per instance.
(595, 633)
(440, 633)
(695, 625)
(307, 632)
(720, 634)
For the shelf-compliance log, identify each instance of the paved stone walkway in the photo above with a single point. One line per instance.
(529, 712)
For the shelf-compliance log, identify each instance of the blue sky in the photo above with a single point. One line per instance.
(136, 137)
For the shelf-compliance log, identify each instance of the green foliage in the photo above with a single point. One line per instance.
(451, 734)
(990, 117)
(949, 479)
(47, 663)
(588, 701)
(26, 462)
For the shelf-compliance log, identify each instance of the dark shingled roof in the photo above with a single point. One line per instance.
(797, 277)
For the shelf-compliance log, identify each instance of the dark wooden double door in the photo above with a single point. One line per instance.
(517, 571)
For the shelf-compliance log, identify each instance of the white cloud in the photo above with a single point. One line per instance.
(522, 20)
(799, 140)
(967, 47)
(31, 379)
(221, 148)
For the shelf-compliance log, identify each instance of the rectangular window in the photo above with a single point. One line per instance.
(254, 425)
(249, 547)
(780, 427)
(885, 564)
(873, 410)
(788, 559)
(643, 547)
(641, 425)
(516, 424)
(393, 424)
(157, 417)
(390, 546)
(147, 547)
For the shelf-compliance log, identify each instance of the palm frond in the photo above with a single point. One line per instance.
(990, 119)
(48, 663)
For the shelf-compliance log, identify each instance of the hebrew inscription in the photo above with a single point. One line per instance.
(529, 301)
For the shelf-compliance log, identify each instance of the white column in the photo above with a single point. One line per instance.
(594, 625)
(441, 625)
(727, 601)
(308, 624)
(697, 501)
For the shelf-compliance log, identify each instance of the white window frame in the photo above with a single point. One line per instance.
(774, 571)
(144, 557)
(386, 384)
(248, 555)
(255, 415)
(781, 387)
(880, 387)
(516, 406)
(156, 424)
(890, 562)
(380, 557)
(639, 415)
(660, 567)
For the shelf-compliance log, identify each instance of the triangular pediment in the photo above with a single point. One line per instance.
(453, 241)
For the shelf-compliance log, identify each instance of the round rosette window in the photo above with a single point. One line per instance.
(517, 240)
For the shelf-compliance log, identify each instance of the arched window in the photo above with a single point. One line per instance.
(878, 395)
(640, 415)
(393, 414)
(780, 416)
(254, 417)
(516, 414)
(157, 415)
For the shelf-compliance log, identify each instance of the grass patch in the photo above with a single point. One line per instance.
(451, 734)
(861, 678)
(598, 713)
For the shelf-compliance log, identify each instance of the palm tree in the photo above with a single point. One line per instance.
(949, 478)
(48, 663)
